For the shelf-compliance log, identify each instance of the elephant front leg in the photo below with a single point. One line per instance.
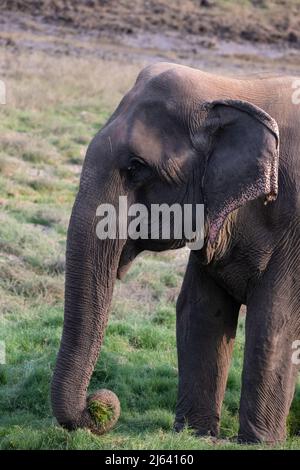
(206, 327)
(269, 374)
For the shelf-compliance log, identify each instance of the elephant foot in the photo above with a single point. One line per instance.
(179, 426)
(254, 440)
(198, 430)
(104, 409)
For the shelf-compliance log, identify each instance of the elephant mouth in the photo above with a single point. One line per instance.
(129, 253)
(132, 249)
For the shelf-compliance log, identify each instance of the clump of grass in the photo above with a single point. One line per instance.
(56, 266)
(43, 184)
(169, 279)
(46, 216)
(164, 315)
(9, 166)
(32, 244)
(28, 147)
(22, 282)
(101, 412)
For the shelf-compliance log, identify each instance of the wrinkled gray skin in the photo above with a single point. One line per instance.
(198, 138)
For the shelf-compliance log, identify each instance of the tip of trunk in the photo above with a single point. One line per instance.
(104, 408)
(100, 415)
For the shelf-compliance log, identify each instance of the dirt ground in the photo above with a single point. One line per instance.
(154, 31)
(270, 21)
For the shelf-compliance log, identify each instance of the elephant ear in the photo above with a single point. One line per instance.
(242, 153)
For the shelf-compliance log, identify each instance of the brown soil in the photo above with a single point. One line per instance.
(267, 21)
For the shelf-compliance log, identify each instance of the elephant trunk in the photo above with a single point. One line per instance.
(91, 266)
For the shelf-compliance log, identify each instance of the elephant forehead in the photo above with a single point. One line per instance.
(146, 141)
(119, 131)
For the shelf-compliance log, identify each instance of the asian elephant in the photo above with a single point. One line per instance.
(186, 136)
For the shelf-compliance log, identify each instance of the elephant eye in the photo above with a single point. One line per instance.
(135, 164)
(138, 171)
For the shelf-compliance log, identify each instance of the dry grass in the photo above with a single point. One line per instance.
(49, 81)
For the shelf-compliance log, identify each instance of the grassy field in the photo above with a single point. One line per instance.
(54, 106)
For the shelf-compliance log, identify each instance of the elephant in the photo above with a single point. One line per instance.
(232, 144)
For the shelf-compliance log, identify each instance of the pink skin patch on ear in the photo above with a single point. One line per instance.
(252, 192)
(216, 224)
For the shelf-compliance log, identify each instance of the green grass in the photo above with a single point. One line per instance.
(138, 362)
(43, 140)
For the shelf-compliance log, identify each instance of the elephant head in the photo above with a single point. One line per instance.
(174, 138)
